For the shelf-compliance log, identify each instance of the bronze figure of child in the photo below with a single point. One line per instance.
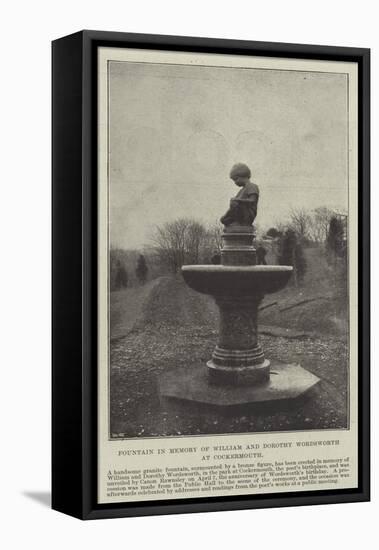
(243, 207)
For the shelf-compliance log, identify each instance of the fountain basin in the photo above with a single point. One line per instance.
(236, 280)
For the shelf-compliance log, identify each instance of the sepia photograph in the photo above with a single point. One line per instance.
(227, 248)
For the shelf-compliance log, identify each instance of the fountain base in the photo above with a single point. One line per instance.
(287, 385)
(254, 374)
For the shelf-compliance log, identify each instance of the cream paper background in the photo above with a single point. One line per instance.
(108, 458)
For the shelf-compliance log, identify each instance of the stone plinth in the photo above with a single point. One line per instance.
(238, 246)
(287, 384)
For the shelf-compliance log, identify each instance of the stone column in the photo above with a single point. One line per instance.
(238, 246)
(238, 358)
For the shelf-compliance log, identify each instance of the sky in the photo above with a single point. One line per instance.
(176, 130)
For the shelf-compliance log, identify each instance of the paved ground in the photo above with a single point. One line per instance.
(177, 327)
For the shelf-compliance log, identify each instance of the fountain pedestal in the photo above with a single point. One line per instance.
(238, 372)
(238, 357)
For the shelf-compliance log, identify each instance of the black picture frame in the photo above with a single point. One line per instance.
(74, 272)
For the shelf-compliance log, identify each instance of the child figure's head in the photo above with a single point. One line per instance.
(240, 174)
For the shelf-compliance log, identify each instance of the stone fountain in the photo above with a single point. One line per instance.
(238, 372)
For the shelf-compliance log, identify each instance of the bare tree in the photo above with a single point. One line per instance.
(214, 233)
(179, 242)
(320, 224)
(195, 238)
(300, 222)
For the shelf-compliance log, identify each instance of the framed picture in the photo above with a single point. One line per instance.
(210, 274)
